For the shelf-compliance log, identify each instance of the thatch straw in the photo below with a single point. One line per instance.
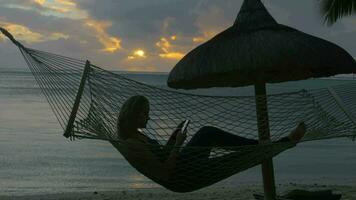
(258, 49)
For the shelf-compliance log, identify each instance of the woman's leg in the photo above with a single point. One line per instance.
(215, 137)
(208, 137)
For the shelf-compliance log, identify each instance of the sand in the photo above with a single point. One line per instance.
(223, 193)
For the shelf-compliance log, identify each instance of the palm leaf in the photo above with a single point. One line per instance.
(336, 9)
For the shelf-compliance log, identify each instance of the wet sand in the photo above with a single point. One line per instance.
(223, 193)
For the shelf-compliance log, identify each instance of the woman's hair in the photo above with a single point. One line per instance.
(130, 110)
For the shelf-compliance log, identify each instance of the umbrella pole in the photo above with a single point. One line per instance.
(264, 137)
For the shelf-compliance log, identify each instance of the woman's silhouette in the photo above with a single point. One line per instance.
(139, 149)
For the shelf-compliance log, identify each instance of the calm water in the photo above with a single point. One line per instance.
(36, 158)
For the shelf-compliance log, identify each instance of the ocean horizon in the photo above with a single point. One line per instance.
(36, 159)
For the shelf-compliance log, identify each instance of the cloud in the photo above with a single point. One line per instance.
(49, 16)
(23, 33)
(112, 31)
(138, 19)
(210, 22)
(58, 8)
(110, 43)
(164, 44)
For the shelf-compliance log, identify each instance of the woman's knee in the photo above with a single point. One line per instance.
(207, 130)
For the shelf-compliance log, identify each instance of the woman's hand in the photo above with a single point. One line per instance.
(180, 138)
(177, 130)
(172, 139)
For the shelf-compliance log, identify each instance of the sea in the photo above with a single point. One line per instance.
(36, 159)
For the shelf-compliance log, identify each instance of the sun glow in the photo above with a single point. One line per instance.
(139, 53)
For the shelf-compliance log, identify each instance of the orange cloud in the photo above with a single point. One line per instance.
(40, 2)
(110, 43)
(69, 9)
(172, 55)
(164, 44)
(23, 33)
(61, 8)
(166, 47)
(66, 2)
(206, 35)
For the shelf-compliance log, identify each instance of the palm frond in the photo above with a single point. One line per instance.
(333, 10)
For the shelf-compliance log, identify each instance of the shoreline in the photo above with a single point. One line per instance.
(244, 192)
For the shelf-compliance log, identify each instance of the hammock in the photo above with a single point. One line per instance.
(86, 100)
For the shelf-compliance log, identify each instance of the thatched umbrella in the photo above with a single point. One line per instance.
(254, 51)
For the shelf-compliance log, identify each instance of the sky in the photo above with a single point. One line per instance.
(144, 35)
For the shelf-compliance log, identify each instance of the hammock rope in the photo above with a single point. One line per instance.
(86, 100)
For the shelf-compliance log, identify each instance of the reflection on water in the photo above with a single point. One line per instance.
(138, 181)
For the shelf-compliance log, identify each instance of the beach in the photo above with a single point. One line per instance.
(223, 193)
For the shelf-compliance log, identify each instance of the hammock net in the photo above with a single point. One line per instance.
(86, 100)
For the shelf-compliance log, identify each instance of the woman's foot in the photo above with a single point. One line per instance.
(297, 134)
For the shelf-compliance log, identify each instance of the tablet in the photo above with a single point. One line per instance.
(185, 126)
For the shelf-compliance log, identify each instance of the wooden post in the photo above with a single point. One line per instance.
(73, 114)
(264, 137)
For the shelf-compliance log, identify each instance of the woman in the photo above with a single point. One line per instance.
(140, 150)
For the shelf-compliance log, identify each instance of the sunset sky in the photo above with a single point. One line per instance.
(143, 35)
